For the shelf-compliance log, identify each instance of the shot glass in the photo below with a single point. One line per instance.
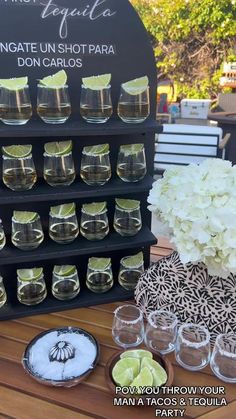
(27, 234)
(129, 273)
(99, 277)
(59, 170)
(15, 106)
(127, 222)
(63, 229)
(192, 349)
(53, 104)
(94, 225)
(96, 105)
(30, 290)
(19, 174)
(128, 326)
(161, 331)
(2, 236)
(3, 294)
(131, 164)
(223, 359)
(134, 108)
(95, 167)
(65, 285)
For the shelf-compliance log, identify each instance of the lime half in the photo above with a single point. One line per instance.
(63, 211)
(127, 204)
(56, 80)
(97, 149)
(133, 261)
(125, 370)
(143, 379)
(58, 148)
(94, 208)
(97, 82)
(17, 151)
(158, 373)
(130, 149)
(24, 217)
(136, 353)
(136, 86)
(99, 264)
(64, 270)
(29, 274)
(14, 83)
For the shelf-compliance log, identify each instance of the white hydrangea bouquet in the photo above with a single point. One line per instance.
(198, 204)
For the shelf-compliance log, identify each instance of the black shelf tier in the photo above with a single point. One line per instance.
(50, 250)
(78, 190)
(13, 309)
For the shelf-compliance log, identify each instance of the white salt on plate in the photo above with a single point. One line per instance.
(85, 354)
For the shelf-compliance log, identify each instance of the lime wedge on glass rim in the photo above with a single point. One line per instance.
(143, 379)
(60, 148)
(125, 370)
(133, 261)
(17, 151)
(127, 204)
(97, 149)
(16, 83)
(56, 80)
(136, 353)
(25, 217)
(98, 264)
(97, 82)
(63, 211)
(157, 371)
(94, 208)
(136, 86)
(64, 270)
(29, 274)
(129, 149)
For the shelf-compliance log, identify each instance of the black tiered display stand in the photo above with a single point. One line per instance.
(133, 58)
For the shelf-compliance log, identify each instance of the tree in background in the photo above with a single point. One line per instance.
(191, 40)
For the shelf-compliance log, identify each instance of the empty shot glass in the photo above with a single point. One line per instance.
(192, 349)
(223, 359)
(127, 217)
(27, 232)
(59, 169)
(3, 294)
(131, 164)
(15, 105)
(63, 223)
(65, 282)
(161, 330)
(96, 104)
(95, 167)
(99, 275)
(53, 104)
(94, 223)
(31, 286)
(19, 173)
(131, 268)
(128, 326)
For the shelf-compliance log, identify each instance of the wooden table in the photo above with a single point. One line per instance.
(23, 398)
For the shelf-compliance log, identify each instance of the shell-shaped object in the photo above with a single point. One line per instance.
(61, 352)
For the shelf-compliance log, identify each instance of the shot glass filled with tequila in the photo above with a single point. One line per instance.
(65, 282)
(94, 221)
(15, 103)
(95, 167)
(134, 102)
(2, 236)
(63, 223)
(19, 173)
(131, 268)
(27, 232)
(31, 287)
(59, 169)
(95, 100)
(99, 275)
(131, 164)
(3, 294)
(127, 218)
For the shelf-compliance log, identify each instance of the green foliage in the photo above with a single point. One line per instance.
(191, 39)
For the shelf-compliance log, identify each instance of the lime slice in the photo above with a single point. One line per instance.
(97, 149)
(63, 211)
(133, 261)
(97, 82)
(17, 151)
(136, 353)
(24, 217)
(157, 371)
(99, 264)
(94, 208)
(127, 204)
(56, 80)
(130, 149)
(136, 86)
(64, 270)
(125, 370)
(29, 274)
(14, 83)
(58, 148)
(143, 379)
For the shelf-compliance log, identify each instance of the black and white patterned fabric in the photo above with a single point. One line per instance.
(192, 294)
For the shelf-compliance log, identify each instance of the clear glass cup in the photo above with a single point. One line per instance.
(99, 280)
(19, 174)
(28, 235)
(3, 294)
(65, 287)
(161, 331)
(223, 359)
(31, 292)
(59, 170)
(95, 169)
(2, 236)
(94, 226)
(128, 326)
(15, 106)
(131, 164)
(127, 223)
(63, 230)
(129, 276)
(53, 104)
(134, 108)
(192, 350)
(96, 105)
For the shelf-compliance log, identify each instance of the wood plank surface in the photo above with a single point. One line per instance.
(23, 398)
